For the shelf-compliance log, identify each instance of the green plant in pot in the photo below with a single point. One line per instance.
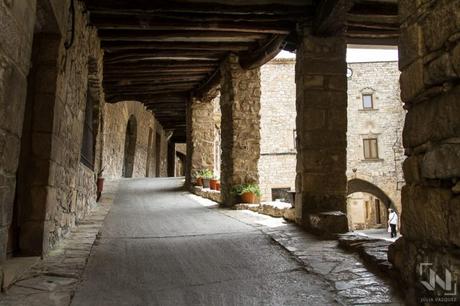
(207, 176)
(249, 193)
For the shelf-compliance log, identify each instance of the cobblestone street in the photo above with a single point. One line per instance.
(160, 245)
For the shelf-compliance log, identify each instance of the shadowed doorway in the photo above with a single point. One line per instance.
(130, 147)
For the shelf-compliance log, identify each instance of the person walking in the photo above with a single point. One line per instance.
(393, 223)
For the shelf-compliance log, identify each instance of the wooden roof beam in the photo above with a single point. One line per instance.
(331, 16)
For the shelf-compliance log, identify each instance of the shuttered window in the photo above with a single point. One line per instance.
(370, 148)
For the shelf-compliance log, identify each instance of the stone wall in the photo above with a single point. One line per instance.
(240, 107)
(384, 122)
(116, 118)
(278, 154)
(71, 190)
(55, 190)
(430, 220)
(277, 162)
(17, 19)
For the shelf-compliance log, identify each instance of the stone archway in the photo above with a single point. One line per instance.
(367, 205)
(130, 147)
(359, 185)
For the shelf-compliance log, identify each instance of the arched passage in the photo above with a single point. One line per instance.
(367, 205)
(358, 185)
(130, 147)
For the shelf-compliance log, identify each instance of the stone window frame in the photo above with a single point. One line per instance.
(368, 91)
(369, 136)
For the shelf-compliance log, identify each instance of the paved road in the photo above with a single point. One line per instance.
(160, 247)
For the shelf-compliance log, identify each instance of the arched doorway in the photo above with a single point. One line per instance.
(130, 147)
(367, 205)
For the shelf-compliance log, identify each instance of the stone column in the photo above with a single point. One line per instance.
(240, 107)
(321, 133)
(200, 137)
(429, 53)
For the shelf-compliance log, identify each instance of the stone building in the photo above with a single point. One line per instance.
(56, 131)
(369, 176)
(62, 61)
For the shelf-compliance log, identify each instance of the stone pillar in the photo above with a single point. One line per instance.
(200, 137)
(240, 107)
(321, 133)
(429, 53)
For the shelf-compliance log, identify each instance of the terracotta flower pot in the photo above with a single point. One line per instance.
(212, 184)
(199, 181)
(218, 186)
(248, 197)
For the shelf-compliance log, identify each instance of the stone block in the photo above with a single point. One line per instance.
(425, 214)
(441, 22)
(323, 160)
(439, 70)
(455, 58)
(433, 120)
(442, 162)
(328, 183)
(411, 45)
(329, 223)
(411, 167)
(13, 88)
(412, 81)
(9, 152)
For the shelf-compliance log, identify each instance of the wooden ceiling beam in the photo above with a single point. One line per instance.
(209, 7)
(114, 46)
(145, 55)
(178, 36)
(114, 22)
(331, 16)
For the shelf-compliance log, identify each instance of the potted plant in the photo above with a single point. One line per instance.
(249, 193)
(198, 178)
(99, 184)
(213, 183)
(207, 176)
(218, 186)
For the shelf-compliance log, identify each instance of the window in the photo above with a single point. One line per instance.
(368, 102)
(280, 194)
(370, 148)
(87, 146)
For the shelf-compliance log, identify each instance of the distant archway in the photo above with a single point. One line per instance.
(130, 147)
(367, 205)
(358, 185)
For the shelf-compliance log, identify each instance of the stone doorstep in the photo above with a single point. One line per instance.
(13, 269)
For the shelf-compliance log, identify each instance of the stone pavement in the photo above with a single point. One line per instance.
(53, 280)
(162, 246)
(158, 246)
(352, 281)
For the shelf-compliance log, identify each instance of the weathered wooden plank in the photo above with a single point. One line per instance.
(114, 22)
